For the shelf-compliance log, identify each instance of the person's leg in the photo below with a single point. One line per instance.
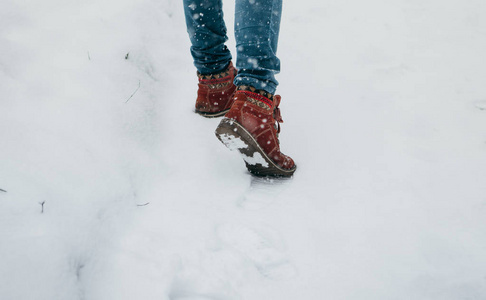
(257, 24)
(252, 125)
(207, 31)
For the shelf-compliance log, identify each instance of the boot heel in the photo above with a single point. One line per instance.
(236, 137)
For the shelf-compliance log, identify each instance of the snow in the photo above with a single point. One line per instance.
(255, 159)
(384, 114)
(235, 143)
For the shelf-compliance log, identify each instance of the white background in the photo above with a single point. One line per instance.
(384, 105)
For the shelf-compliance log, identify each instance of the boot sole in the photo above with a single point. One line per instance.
(236, 137)
(211, 115)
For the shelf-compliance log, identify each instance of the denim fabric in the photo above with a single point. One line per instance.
(257, 24)
(207, 31)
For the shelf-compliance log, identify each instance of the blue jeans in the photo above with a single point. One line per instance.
(257, 24)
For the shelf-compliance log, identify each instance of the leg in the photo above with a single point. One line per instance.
(207, 31)
(252, 125)
(257, 24)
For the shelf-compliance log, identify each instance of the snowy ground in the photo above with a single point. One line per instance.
(384, 105)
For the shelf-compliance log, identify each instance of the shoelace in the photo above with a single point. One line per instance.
(276, 113)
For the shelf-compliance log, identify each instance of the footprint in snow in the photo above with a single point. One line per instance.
(262, 246)
(480, 105)
(212, 275)
(262, 192)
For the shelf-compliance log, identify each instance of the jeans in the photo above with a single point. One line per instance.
(257, 24)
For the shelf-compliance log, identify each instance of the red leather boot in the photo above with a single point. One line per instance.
(252, 126)
(215, 93)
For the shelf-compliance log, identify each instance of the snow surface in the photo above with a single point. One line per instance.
(383, 104)
(234, 143)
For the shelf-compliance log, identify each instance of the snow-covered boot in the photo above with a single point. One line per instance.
(215, 93)
(252, 126)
